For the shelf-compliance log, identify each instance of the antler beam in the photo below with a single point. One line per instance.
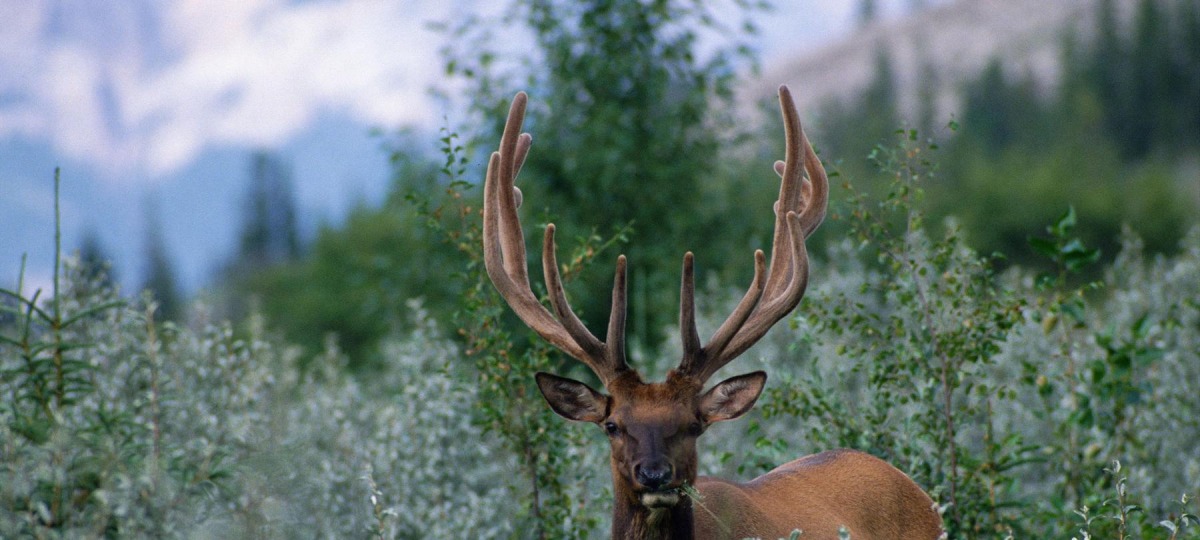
(504, 259)
(800, 209)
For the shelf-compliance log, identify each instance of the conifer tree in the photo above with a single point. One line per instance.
(160, 277)
(1150, 72)
(868, 11)
(95, 262)
(269, 214)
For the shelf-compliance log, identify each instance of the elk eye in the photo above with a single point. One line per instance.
(611, 428)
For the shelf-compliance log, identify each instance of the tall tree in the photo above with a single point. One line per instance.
(1108, 66)
(159, 274)
(927, 96)
(868, 11)
(998, 112)
(623, 125)
(95, 262)
(269, 216)
(268, 238)
(1188, 50)
(852, 126)
(1151, 72)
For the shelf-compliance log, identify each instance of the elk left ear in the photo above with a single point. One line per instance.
(572, 399)
(732, 397)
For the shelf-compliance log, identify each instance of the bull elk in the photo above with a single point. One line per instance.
(653, 427)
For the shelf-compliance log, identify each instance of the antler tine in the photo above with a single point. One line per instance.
(687, 310)
(693, 354)
(504, 259)
(615, 339)
(808, 198)
(496, 254)
(816, 188)
(612, 354)
(558, 299)
(800, 209)
(511, 236)
(769, 310)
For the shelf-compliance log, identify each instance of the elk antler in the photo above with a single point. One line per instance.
(798, 212)
(504, 258)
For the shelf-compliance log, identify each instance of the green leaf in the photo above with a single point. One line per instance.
(1065, 223)
(1044, 246)
(1075, 309)
(1045, 280)
(1075, 260)
(1140, 326)
(1148, 356)
(92, 311)
(1122, 362)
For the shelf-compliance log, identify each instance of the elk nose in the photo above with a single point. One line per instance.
(653, 475)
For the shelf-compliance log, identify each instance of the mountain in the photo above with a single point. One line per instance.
(938, 48)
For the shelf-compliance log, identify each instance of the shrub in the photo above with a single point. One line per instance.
(116, 425)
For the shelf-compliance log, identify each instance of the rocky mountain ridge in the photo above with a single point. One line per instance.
(936, 50)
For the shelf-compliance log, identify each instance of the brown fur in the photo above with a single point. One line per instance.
(818, 494)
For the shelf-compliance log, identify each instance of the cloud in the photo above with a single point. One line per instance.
(139, 88)
(269, 67)
(204, 72)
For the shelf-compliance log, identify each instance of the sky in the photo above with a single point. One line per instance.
(167, 97)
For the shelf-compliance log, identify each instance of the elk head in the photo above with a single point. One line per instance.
(653, 427)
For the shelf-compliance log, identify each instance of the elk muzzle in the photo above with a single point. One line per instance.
(655, 477)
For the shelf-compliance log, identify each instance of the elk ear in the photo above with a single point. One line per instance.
(732, 397)
(572, 399)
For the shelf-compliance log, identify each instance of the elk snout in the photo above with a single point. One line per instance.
(653, 474)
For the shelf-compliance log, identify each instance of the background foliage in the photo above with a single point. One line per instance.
(1115, 137)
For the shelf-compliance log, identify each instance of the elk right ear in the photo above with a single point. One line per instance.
(732, 397)
(572, 399)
